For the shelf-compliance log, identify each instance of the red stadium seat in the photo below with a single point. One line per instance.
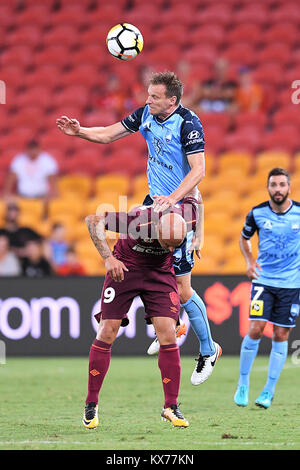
(46, 75)
(178, 15)
(32, 114)
(7, 15)
(28, 34)
(73, 15)
(287, 115)
(269, 74)
(13, 75)
(67, 96)
(21, 55)
(84, 75)
(214, 138)
(218, 14)
(210, 34)
(170, 34)
(286, 13)
(94, 35)
(284, 33)
(79, 165)
(284, 138)
(257, 13)
(241, 33)
(55, 55)
(36, 14)
(221, 120)
(66, 34)
(91, 53)
(254, 118)
(241, 54)
(274, 53)
(167, 55)
(245, 139)
(201, 54)
(36, 96)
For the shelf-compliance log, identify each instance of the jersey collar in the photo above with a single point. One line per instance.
(282, 213)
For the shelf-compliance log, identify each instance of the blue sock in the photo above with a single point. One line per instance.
(196, 310)
(278, 357)
(248, 353)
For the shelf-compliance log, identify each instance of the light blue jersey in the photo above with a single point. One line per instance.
(279, 244)
(169, 143)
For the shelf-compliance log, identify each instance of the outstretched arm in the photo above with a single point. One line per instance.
(100, 135)
(96, 226)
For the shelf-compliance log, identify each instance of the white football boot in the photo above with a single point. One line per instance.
(154, 346)
(205, 366)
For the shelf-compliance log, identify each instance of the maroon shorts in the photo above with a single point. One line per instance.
(157, 290)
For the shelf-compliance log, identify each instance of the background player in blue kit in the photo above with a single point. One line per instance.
(275, 281)
(175, 140)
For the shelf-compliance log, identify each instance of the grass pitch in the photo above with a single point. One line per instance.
(42, 401)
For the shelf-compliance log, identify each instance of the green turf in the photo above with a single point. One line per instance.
(42, 401)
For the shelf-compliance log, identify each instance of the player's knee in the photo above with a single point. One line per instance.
(185, 292)
(280, 334)
(256, 330)
(107, 332)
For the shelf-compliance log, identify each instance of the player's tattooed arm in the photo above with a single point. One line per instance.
(96, 228)
(114, 267)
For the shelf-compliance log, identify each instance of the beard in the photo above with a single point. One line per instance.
(277, 201)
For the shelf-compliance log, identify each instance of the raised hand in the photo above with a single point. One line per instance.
(68, 126)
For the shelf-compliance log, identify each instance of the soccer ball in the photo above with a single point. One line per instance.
(124, 41)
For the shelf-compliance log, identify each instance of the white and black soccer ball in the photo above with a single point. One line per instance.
(124, 41)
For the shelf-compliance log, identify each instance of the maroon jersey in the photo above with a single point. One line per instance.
(138, 245)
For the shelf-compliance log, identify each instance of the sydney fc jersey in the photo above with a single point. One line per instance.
(279, 244)
(169, 143)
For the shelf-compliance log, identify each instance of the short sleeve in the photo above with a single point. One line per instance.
(192, 135)
(133, 121)
(250, 226)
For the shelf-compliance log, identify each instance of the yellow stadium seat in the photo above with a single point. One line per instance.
(86, 248)
(242, 161)
(213, 246)
(2, 209)
(75, 185)
(208, 264)
(93, 266)
(257, 197)
(96, 206)
(295, 183)
(233, 265)
(210, 165)
(45, 227)
(30, 220)
(32, 206)
(267, 160)
(120, 184)
(66, 207)
(79, 232)
(140, 185)
(296, 163)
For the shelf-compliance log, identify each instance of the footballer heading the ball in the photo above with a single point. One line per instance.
(124, 41)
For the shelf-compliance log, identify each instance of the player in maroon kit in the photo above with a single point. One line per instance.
(141, 264)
